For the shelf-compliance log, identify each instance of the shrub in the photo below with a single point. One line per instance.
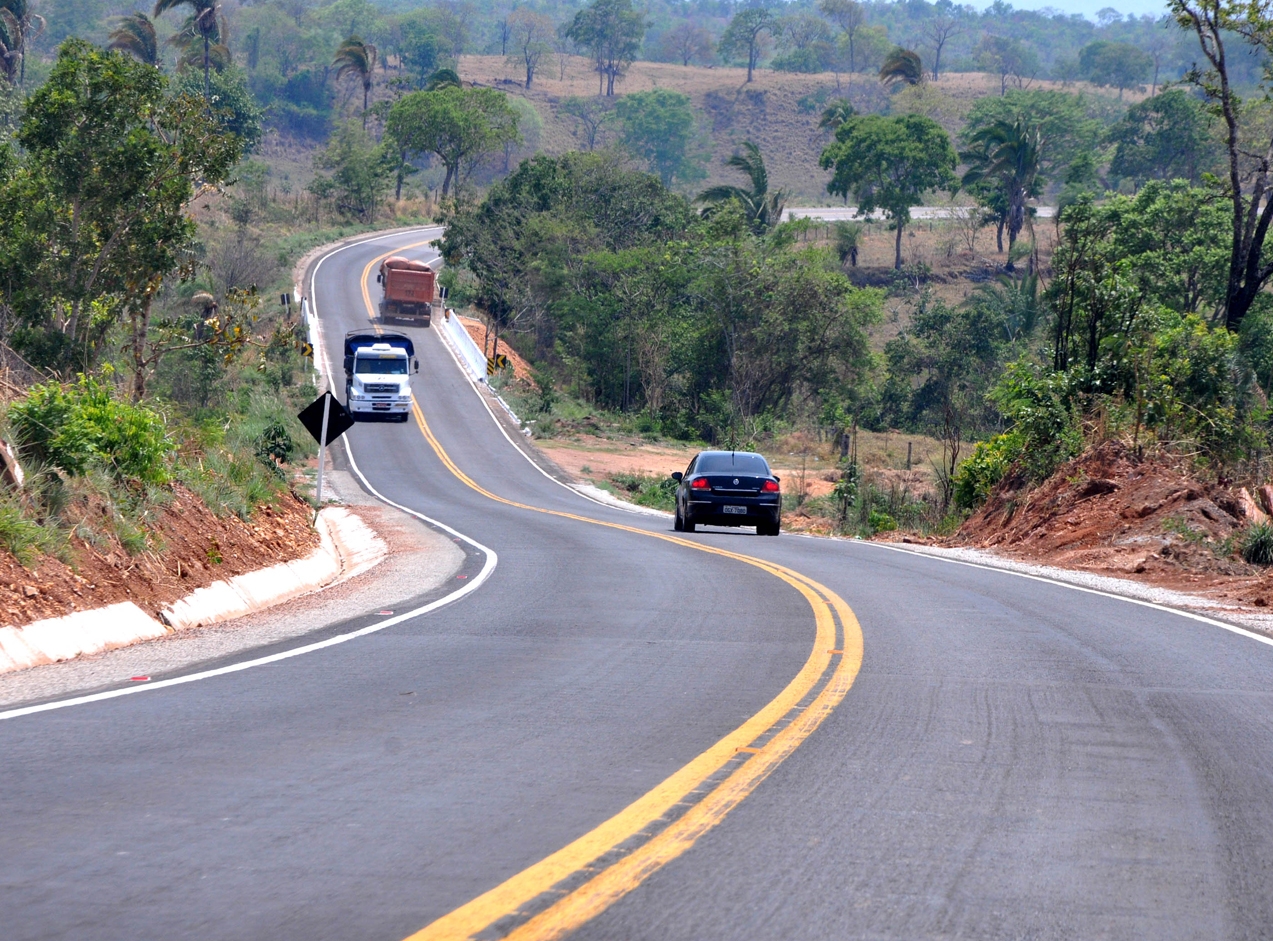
(984, 468)
(70, 427)
(1040, 406)
(881, 522)
(657, 492)
(1257, 544)
(26, 539)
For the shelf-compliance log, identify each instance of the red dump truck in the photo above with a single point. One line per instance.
(408, 291)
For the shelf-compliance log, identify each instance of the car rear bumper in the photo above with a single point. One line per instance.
(713, 513)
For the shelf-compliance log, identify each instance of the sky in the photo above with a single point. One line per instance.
(1089, 8)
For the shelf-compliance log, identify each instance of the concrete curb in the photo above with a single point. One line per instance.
(349, 547)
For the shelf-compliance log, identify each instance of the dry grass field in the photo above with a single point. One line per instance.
(779, 111)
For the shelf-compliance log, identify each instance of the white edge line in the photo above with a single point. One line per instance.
(990, 568)
(1168, 609)
(642, 511)
(487, 568)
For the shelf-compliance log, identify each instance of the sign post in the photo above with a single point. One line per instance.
(326, 419)
(322, 446)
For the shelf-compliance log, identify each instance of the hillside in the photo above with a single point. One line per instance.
(778, 110)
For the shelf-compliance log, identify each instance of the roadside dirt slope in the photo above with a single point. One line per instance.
(1110, 512)
(197, 547)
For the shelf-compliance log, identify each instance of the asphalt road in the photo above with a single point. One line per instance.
(1015, 759)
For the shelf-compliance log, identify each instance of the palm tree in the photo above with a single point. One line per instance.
(355, 57)
(202, 24)
(10, 43)
(442, 78)
(135, 35)
(836, 114)
(902, 67)
(1006, 158)
(848, 241)
(21, 25)
(762, 208)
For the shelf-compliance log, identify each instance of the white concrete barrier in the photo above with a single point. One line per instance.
(466, 349)
(348, 547)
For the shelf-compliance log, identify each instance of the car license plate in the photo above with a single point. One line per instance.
(736, 509)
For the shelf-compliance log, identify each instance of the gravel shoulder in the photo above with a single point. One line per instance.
(419, 561)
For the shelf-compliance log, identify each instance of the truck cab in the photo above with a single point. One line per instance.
(378, 370)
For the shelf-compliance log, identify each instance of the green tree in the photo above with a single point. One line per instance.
(1069, 123)
(902, 67)
(744, 36)
(549, 212)
(1117, 64)
(420, 47)
(233, 106)
(357, 58)
(1006, 158)
(939, 373)
(806, 43)
(110, 165)
(202, 25)
(612, 31)
(658, 126)
(761, 207)
(459, 125)
(1165, 137)
(359, 174)
(135, 35)
(1214, 23)
(888, 164)
(1175, 242)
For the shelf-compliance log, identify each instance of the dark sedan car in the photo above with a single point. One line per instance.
(728, 488)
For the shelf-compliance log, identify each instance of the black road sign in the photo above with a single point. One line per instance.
(338, 420)
(495, 363)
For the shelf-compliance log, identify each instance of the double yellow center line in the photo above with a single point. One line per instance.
(561, 892)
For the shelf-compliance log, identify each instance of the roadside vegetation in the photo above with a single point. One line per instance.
(615, 213)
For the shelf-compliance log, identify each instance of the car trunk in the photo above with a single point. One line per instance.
(741, 485)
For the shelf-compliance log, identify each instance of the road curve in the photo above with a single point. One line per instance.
(1014, 759)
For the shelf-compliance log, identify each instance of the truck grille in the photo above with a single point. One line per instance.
(376, 388)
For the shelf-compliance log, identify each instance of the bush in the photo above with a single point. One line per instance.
(881, 522)
(985, 467)
(73, 427)
(1257, 544)
(657, 492)
(1040, 406)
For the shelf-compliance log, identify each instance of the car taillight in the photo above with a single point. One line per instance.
(769, 486)
(700, 483)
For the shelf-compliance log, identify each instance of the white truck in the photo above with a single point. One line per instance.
(378, 368)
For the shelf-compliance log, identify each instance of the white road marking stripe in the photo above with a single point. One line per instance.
(487, 568)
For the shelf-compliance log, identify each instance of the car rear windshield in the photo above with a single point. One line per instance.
(732, 462)
(382, 367)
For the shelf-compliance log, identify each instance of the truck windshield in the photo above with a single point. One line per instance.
(380, 367)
